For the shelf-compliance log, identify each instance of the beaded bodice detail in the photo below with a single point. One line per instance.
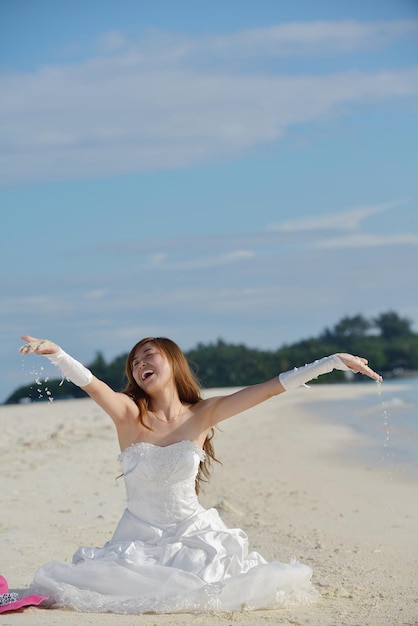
(160, 481)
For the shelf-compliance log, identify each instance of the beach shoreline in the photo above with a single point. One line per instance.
(287, 479)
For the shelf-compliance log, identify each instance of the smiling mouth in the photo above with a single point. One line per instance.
(146, 374)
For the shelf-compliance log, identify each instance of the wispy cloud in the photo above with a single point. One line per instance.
(305, 38)
(347, 228)
(134, 109)
(47, 303)
(366, 240)
(350, 219)
(357, 226)
(282, 40)
(192, 263)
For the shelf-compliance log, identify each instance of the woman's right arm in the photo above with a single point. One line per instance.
(117, 405)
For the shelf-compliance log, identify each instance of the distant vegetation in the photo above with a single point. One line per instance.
(387, 341)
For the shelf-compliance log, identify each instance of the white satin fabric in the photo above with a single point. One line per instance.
(168, 554)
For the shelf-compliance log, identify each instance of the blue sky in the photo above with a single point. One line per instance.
(237, 170)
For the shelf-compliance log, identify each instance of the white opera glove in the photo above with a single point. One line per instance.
(301, 375)
(72, 370)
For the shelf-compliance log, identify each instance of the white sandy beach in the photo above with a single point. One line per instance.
(285, 480)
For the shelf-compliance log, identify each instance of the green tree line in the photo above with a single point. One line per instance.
(387, 340)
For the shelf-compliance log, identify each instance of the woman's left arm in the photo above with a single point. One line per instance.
(222, 407)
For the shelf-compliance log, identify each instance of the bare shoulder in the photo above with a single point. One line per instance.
(205, 404)
(117, 405)
(205, 407)
(128, 401)
(130, 408)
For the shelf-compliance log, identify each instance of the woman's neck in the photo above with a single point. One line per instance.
(167, 407)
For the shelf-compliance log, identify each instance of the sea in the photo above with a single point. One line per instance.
(386, 420)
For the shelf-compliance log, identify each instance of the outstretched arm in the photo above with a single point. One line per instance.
(222, 407)
(117, 405)
(340, 361)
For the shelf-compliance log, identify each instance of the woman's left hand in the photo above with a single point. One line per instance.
(359, 365)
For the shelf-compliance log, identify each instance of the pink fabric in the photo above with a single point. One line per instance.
(18, 604)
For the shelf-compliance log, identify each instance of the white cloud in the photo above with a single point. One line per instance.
(351, 219)
(157, 47)
(366, 240)
(135, 111)
(112, 41)
(350, 224)
(48, 304)
(166, 263)
(96, 294)
(156, 260)
(302, 38)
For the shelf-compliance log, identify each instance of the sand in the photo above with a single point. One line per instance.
(287, 479)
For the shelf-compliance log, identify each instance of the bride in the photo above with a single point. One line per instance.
(169, 554)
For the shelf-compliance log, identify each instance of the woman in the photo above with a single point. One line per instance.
(168, 554)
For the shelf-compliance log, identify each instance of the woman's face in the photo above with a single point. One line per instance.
(151, 369)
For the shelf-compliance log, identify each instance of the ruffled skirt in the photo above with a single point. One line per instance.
(196, 566)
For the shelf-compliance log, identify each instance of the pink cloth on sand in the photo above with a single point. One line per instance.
(15, 605)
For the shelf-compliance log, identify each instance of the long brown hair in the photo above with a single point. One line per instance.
(188, 390)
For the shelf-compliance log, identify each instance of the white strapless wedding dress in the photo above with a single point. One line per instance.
(169, 554)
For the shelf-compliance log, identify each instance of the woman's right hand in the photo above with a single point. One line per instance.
(34, 345)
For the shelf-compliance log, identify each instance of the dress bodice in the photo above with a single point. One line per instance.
(160, 481)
